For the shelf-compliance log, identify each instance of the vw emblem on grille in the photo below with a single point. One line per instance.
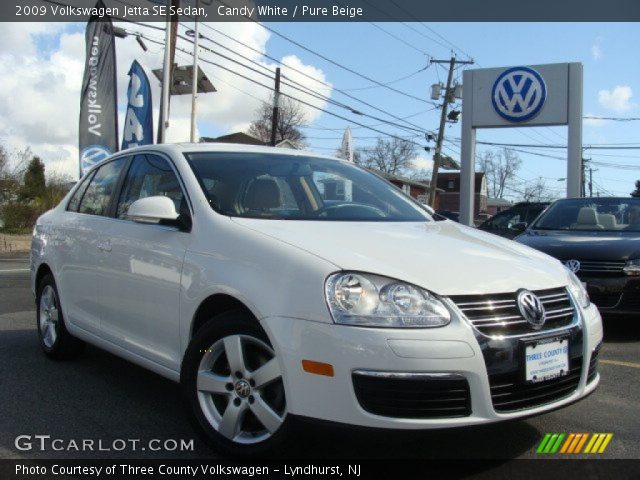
(531, 308)
(573, 265)
(518, 94)
(243, 389)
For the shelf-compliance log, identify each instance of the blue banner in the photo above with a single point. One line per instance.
(138, 124)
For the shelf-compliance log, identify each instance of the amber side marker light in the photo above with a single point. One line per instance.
(317, 368)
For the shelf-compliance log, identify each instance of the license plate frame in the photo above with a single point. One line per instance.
(547, 367)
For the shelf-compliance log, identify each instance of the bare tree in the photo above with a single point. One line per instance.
(500, 169)
(390, 156)
(291, 117)
(537, 191)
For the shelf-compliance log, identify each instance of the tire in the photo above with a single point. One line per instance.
(55, 340)
(238, 407)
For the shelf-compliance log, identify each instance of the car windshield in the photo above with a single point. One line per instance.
(592, 214)
(286, 187)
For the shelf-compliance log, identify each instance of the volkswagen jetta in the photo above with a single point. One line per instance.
(274, 284)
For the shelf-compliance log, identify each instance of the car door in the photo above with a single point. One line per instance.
(80, 238)
(141, 287)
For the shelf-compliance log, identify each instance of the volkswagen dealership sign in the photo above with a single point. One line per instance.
(518, 94)
(522, 96)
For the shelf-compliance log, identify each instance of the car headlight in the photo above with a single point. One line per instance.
(632, 267)
(578, 291)
(374, 301)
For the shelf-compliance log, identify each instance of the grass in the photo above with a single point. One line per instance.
(16, 231)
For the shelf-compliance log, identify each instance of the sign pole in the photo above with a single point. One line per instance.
(467, 156)
(574, 132)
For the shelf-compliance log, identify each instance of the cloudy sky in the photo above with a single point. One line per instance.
(42, 67)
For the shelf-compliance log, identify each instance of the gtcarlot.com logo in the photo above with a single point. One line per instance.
(47, 443)
(573, 443)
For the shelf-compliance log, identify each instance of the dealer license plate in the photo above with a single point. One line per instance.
(547, 360)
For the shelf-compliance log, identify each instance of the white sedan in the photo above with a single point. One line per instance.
(275, 284)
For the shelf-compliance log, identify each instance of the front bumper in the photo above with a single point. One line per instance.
(614, 294)
(453, 350)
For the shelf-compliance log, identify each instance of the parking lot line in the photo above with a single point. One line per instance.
(14, 270)
(620, 364)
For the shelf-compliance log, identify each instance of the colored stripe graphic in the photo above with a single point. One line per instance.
(573, 443)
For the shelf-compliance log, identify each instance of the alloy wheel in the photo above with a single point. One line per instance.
(240, 389)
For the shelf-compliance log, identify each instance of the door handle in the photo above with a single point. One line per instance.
(104, 246)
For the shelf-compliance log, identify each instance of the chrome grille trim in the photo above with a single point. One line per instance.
(600, 266)
(498, 315)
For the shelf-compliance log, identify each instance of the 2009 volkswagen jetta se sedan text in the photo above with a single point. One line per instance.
(274, 285)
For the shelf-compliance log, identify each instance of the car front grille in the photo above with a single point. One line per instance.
(498, 314)
(509, 393)
(600, 267)
(413, 395)
(593, 364)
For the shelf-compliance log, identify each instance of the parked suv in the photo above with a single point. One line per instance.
(512, 222)
(275, 285)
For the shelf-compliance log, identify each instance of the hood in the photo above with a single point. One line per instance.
(444, 257)
(565, 245)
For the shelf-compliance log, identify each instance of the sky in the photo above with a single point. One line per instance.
(43, 67)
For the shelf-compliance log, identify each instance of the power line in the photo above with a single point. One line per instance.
(343, 92)
(615, 119)
(333, 62)
(392, 35)
(287, 95)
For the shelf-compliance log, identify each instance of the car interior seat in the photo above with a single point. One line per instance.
(587, 220)
(261, 196)
(608, 221)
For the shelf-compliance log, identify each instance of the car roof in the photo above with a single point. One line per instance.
(225, 147)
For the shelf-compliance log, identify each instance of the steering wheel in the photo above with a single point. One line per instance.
(346, 210)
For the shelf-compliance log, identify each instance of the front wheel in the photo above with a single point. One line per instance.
(233, 386)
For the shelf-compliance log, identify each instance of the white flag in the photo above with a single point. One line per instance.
(347, 145)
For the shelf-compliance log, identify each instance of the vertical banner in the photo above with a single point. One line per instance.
(98, 129)
(347, 145)
(138, 124)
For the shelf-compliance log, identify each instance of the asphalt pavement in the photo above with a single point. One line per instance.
(103, 398)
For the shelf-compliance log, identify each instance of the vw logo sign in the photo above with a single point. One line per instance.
(91, 155)
(573, 265)
(531, 309)
(518, 94)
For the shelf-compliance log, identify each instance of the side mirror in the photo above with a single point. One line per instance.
(519, 227)
(155, 210)
(429, 209)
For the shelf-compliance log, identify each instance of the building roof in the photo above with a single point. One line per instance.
(498, 202)
(426, 184)
(236, 137)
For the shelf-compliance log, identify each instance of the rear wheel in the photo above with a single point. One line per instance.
(56, 342)
(233, 386)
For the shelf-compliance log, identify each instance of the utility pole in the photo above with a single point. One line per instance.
(591, 170)
(171, 33)
(448, 97)
(276, 108)
(194, 89)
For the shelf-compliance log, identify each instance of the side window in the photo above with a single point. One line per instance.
(150, 176)
(95, 200)
(506, 219)
(532, 213)
(72, 206)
